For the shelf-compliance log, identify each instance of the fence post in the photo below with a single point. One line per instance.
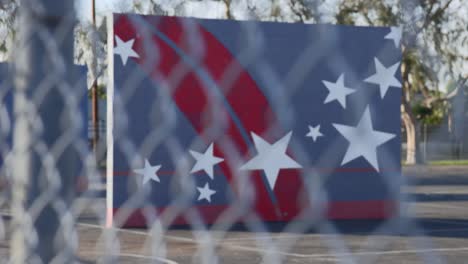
(43, 168)
(459, 116)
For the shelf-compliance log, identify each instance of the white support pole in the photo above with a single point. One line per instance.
(43, 176)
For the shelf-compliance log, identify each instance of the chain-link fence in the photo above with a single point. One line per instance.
(229, 141)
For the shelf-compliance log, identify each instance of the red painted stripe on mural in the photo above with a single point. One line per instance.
(252, 108)
(362, 209)
(190, 88)
(319, 170)
(188, 92)
(245, 97)
(336, 211)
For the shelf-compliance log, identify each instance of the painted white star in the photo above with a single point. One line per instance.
(124, 49)
(205, 193)
(149, 172)
(395, 35)
(271, 158)
(337, 91)
(384, 77)
(363, 140)
(314, 132)
(205, 161)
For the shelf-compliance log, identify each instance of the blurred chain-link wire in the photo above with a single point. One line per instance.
(53, 190)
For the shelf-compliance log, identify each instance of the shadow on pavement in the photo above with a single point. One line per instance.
(439, 180)
(438, 197)
(433, 227)
(436, 175)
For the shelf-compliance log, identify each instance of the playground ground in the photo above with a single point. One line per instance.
(438, 234)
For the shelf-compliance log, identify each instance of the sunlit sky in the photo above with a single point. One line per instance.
(103, 7)
(83, 7)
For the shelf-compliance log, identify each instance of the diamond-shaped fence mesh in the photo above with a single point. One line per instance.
(227, 141)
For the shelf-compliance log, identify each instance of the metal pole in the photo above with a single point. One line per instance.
(94, 89)
(43, 177)
(459, 116)
(425, 142)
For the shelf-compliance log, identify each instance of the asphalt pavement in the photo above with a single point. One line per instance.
(434, 230)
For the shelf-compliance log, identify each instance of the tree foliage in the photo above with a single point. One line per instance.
(266, 10)
(434, 33)
(434, 41)
(8, 25)
(90, 50)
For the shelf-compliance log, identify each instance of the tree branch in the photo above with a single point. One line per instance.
(441, 10)
(228, 9)
(460, 84)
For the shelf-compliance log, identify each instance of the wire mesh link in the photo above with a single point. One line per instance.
(53, 192)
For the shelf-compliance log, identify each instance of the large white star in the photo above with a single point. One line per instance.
(363, 140)
(205, 193)
(205, 161)
(395, 35)
(337, 91)
(124, 49)
(384, 77)
(271, 158)
(314, 132)
(149, 172)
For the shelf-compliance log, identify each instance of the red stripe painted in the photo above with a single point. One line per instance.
(136, 218)
(250, 106)
(336, 211)
(159, 173)
(319, 170)
(362, 209)
(244, 97)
